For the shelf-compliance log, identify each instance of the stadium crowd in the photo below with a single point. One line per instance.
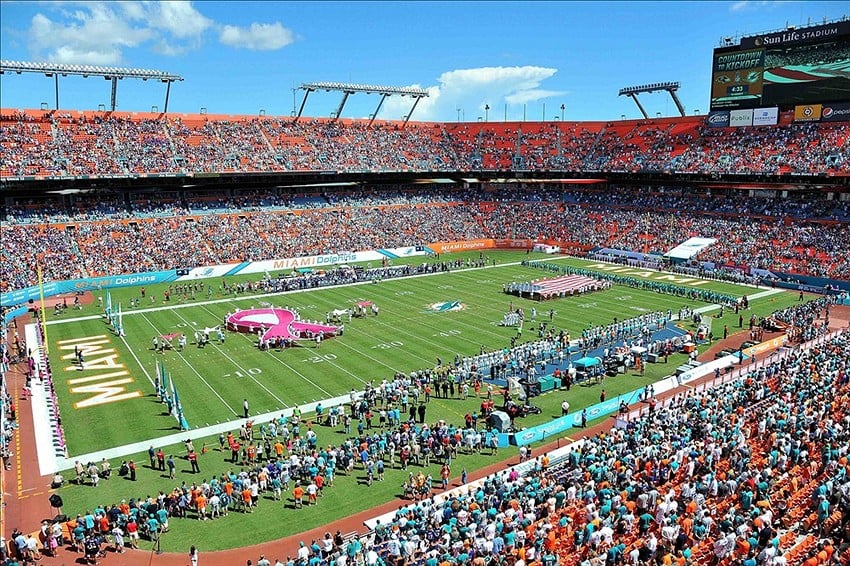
(100, 236)
(107, 144)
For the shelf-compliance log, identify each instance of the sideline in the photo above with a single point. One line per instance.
(279, 293)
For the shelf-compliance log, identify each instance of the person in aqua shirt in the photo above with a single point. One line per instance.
(79, 533)
(162, 517)
(153, 527)
(644, 522)
(615, 554)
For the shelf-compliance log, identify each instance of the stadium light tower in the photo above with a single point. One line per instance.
(113, 74)
(670, 87)
(347, 89)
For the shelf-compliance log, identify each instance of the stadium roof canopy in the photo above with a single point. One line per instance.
(670, 87)
(85, 71)
(348, 89)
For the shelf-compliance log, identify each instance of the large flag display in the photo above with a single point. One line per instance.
(689, 248)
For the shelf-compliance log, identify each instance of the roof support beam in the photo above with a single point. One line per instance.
(378, 109)
(109, 73)
(678, 103)
(114, 92)
(345, 95)
(634, 97)
(669, 87)
(303, 103)
(167, 92)
(409, 114)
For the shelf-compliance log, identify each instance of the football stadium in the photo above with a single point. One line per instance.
(289, 339)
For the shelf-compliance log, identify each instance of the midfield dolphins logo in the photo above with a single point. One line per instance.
(450, 306)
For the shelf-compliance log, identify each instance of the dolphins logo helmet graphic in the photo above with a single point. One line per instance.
(448, 306)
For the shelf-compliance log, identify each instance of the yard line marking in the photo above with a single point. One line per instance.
(185, 361)
(241, 368)
(382, 323)
(135, 357)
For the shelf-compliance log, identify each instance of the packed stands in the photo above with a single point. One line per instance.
(99, 235)
(60, 144)
(105, 232)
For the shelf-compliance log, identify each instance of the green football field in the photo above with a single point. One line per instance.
(406, 335)
(213, 382)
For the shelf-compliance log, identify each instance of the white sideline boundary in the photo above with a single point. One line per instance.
(49, 463)
(40, 415)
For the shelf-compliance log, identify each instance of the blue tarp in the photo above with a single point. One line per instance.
(586, 363)
(556, 426)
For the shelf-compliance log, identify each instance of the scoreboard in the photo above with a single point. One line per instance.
(787, 68)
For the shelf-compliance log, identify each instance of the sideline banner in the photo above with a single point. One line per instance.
(522, 244)
(771, 344)
(21, 296)
(14, 313)
(465, 245)
(480, 244)
(807, 112)
(836, 112)
(88, 284)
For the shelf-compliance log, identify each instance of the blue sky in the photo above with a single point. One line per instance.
(240, 57)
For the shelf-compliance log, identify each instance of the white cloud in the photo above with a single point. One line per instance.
(100, 32)
(473, 89)
(179, 19)
(259, 37)
(752, 5)
(95, 36)
(164, 48)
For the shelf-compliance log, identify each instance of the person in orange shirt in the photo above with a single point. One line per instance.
(247, 500)
(201, 504)
(688, 524)
(297, 495)
(829, 549)
(550, 541)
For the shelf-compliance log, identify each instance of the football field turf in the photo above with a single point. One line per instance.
(212, 382)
